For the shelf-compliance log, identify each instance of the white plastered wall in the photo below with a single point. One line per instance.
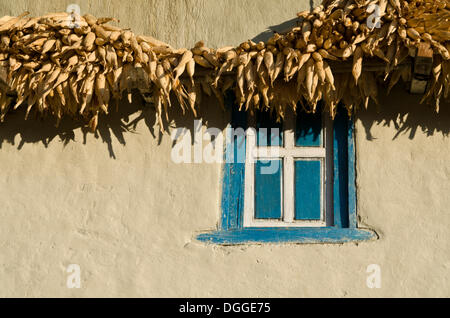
(118, 206)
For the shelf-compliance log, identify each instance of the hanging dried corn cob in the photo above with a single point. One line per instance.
(63, 71)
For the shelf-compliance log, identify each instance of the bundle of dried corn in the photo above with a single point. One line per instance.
(340, 30)
(66, 70)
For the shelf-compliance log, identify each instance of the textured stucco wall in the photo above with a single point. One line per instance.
(182, 23)
(115, 204)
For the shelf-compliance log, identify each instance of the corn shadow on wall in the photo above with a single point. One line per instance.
(399, 109)
(116, 126)
(405, 114)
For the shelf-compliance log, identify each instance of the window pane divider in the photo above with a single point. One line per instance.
(288, 167)
(298, 152)
(289, 153)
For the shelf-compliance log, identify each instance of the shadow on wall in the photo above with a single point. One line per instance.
(280, 28)
(283, 27)
(404, 112)
(112, 128)
(36, 129)
(400, 109)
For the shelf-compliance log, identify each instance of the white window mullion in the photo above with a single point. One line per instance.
(249, 197)
(288, 168)
(289, 132)
(298, 152)
(289, 197)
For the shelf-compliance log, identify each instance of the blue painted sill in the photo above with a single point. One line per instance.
(288, 235)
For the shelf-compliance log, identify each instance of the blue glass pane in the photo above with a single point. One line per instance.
(307, 190)
(268, 189)
(308, 130)
(270, 132)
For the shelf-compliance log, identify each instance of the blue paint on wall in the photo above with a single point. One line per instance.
(353, 223)
(340, 182)
(307, 190)
(234, 172)
(268, 187)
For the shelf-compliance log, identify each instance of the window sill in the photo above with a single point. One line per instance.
(329, 235)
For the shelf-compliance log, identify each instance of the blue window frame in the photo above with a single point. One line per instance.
(343, 225)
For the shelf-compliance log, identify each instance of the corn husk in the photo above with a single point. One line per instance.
(53, 69)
